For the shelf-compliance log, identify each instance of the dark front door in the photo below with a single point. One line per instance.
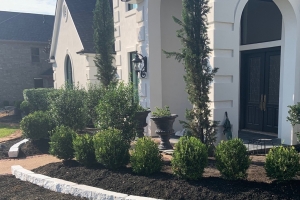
(260, 75)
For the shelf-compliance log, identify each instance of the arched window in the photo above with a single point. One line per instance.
(261, 22)
(68, 70)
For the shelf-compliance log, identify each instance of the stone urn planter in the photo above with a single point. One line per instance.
(141, 117)
(164, 120)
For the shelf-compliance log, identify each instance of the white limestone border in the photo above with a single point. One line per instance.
(14, 150)
(66, 187)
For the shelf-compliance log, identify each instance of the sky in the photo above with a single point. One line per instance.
(29, 6)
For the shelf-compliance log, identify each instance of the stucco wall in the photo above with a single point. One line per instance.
(68, 43)
(17, 72)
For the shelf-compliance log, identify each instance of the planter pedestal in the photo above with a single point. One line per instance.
(141, 119)
(164, 130)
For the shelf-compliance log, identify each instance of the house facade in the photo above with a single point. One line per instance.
(23, 54)
(254, 44)
(72, 50)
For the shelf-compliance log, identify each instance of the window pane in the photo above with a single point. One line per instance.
(35, 54)
(132, 6)
(261, 22)
(38, 83)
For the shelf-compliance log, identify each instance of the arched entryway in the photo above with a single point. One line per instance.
(68, 70)
(274, 58)
(261, 33)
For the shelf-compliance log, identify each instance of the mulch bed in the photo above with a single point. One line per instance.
(12, 188)
(164, 185)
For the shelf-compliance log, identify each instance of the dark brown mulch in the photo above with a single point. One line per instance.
(12, 188)
(33, 148)
(163, 185)
(5, 146)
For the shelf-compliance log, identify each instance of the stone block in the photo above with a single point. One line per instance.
(14, 168)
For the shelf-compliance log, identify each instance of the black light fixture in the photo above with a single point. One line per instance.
(137, 64)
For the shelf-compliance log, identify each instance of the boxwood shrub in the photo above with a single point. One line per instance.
(38, 99)
(189, 158)
(37, 125)
(282, 163)
(111, 149)
(145, 158)
(61, 143)
(84, 149)
(232, 159)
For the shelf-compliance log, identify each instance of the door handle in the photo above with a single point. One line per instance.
(261, 102)
(265, 102)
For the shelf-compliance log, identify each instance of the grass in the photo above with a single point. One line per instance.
(6, 130)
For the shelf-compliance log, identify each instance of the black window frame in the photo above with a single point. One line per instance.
(35, 55)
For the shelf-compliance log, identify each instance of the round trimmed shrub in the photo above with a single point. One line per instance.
(25, 107)
(145, 158)
(189, 158)
(232, 159)
(61, 143)
(84, 149)
(111, 149)
(37, 125)
(282, 163)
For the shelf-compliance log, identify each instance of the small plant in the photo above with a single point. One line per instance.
(294, 116)
(189, 158)
(61, 143)
(84, 149)
(37, 125)
(232, 159)
(111, 149)
(145, 158)
(161, 112)
(282, 163)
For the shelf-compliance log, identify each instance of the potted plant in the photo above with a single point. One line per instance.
(294, 117)
(141, 116)
(164, 120)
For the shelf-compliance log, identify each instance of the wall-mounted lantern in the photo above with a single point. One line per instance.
(140, 65)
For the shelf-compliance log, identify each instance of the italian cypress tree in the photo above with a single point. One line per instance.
(104, 42)
(195, 57)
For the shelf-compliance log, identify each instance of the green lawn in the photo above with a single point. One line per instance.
(6, 130)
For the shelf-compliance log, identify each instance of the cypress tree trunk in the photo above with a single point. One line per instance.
(104, 42)
(194, 54)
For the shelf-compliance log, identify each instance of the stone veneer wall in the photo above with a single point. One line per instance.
(17, 72)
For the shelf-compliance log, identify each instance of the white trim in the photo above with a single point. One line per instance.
(260, 45)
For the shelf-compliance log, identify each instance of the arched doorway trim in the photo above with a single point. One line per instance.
(288, 62)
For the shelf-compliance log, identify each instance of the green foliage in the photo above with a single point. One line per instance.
(282, 163)
(161, 112)
(61, 143)
(68, 107)
(38, 98)
(194, 54)
(25, 107)
(232, 159)
(117, 110)
(84, 149)
(294, 116)
(94, 95)
(17, 104)
(37, 125)
(145, 158)
(189, 158)
(110, 149)
(104, 42)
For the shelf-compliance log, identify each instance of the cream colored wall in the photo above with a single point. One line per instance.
(173, 85)
(224, 33)
(68, 43)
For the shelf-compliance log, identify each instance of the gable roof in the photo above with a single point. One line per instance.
(82, 15)
(25, 27)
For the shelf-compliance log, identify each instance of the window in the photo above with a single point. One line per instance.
(38, 83)
(134, 76)
(261, 22)
(35, 55)
(131, 6)
(68, 70)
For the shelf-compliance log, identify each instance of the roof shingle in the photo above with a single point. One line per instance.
(25, 26)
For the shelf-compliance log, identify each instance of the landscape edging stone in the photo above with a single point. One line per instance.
(14, 150)
(67, 187)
